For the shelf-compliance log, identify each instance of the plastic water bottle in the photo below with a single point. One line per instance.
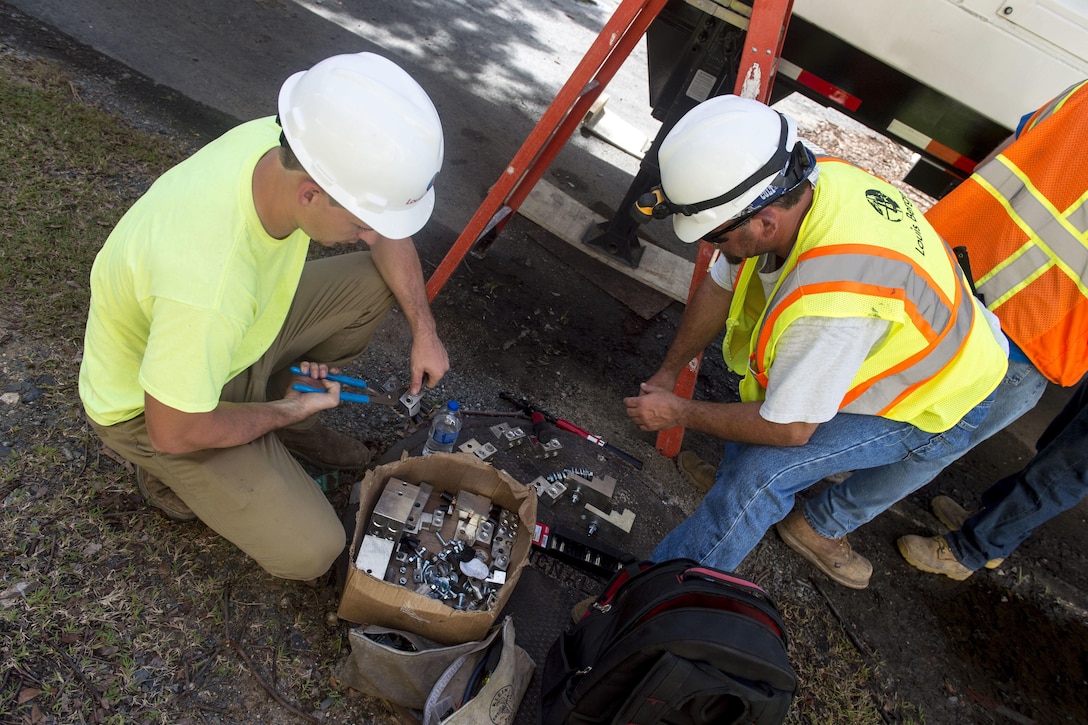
(444, 430)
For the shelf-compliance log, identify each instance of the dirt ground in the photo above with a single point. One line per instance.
(1009, 645)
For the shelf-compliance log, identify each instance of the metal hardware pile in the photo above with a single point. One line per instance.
(455, 548)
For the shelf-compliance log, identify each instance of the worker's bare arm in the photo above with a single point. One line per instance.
(659, 408)
(398, 263)
(704, 318)
(231, 424)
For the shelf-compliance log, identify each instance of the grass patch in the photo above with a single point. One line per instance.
(70, 172)
(837, 683)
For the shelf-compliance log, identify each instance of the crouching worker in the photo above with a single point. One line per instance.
(854, 328)
(202, 299)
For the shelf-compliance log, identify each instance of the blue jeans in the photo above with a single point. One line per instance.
(840, 509)
(1055, 480)
(755, 484)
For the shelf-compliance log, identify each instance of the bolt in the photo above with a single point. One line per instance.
(593, 528)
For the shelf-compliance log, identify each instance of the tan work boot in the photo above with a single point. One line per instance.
(322, 446)
(158, 495)
(696, 471)
(952, 515)
(833, 557)
(931, 554)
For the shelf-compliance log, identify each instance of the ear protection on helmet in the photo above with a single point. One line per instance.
(651, 205)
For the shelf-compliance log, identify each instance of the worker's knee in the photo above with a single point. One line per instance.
(312, 554)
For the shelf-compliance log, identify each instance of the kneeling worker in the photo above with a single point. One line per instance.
(202, 299)
(854, 328)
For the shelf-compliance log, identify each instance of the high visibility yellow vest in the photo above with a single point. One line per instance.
(1024, 220)
(863, 250)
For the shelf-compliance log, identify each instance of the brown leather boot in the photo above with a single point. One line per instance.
(931, 554)
(158, 495)
(952, 515)
(322, 446)
(696, 471)
(833, 557)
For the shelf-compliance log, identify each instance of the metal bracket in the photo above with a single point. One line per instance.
(548, 492)
(549, 449)
(622, 521)
(483, 451)
(508, 435)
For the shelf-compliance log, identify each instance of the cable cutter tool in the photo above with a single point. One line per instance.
(400, 400)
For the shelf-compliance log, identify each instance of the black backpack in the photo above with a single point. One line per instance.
(673, 643)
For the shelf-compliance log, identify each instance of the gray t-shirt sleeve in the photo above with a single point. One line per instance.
(815, 362)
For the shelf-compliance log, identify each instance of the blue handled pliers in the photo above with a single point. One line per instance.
(369, 394)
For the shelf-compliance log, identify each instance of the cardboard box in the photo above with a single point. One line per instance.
(367, 600)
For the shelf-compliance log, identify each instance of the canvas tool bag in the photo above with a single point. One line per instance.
(675, 643)
(463, 684)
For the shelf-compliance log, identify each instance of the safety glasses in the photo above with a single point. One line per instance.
(718, 236)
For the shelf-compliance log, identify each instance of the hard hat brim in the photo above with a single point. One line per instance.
(397, 224)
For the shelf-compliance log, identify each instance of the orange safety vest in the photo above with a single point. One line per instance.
(1024, 219)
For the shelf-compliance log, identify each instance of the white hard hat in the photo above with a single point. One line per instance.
(369, 136)
(723, 158)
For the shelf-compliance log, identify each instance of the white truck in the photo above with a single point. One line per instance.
(948, 78)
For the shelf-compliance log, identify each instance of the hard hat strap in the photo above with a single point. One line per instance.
(798, 170)
(776, 164)
(793, 166)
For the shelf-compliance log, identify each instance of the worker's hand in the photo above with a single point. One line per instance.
(429, 363)
(661, 379)
(654, 408)
(315, 376)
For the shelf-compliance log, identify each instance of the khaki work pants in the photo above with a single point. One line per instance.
(257, 495)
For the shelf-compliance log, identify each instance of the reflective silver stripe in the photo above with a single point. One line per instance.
(1045, 227)
(870, 270)
(895, 274)
(1024, 267)
(1057, 101)
(884, 392)
(1078, 218)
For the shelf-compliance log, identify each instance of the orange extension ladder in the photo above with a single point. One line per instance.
(759, 62)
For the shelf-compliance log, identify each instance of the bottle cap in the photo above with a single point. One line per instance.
(453, 405)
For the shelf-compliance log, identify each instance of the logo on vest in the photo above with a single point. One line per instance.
(885, 206)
